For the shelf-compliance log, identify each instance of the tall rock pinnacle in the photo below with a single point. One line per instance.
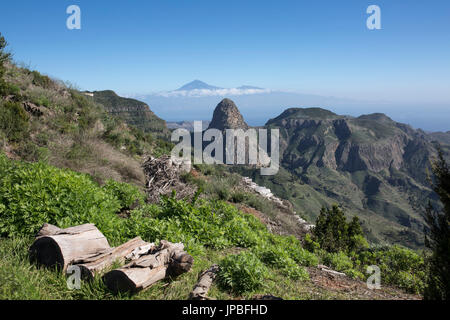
(227, 116)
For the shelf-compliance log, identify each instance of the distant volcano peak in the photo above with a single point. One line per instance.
(196, 85)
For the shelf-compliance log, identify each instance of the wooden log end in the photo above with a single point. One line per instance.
(45, 251)
(117, 281)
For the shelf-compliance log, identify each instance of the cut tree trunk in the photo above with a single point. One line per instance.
(60, 247)
(205, 280)
(85, 247)
(168, 259)
(97, 262)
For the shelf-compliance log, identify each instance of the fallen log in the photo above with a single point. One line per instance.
(167, 260)
(205, 280)
(52, 245)
(60, 247)
(97, 262)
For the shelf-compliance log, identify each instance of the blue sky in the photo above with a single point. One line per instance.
(316, 47)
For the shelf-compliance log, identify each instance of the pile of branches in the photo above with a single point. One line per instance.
(163, 176)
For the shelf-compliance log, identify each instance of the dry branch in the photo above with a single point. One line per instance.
(205, 280)
(163, 176)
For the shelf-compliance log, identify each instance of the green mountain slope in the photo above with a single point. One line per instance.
(371, 165)
(44, 120)
(133, 112)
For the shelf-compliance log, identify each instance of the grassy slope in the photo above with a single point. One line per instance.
(210, 229)
(21, 280)
(74, 132)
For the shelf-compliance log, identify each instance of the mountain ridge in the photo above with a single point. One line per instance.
(132, 111)
(375, 167)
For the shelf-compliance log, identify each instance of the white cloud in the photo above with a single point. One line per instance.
(212, 92)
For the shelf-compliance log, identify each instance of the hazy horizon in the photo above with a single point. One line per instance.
(320, 48)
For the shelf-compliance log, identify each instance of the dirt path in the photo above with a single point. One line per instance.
(346, 288)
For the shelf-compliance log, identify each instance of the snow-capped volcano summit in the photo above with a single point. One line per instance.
(199, 88)
(197, 85)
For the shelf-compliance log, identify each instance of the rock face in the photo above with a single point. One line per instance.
(375, 167)
(227, 116)
(373, 142)
(267, 193)
(132, 111)
(188, 125)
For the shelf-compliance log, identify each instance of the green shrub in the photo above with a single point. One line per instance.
(339, 261)
(29, 151)
(238, 197)
(278, 258)
(399, 266)
(41, 80)
(310, 244)
(33, 194)
(42, 139)
(128, 195)
(259, 203)
(241, 273)
(42, 101)
(79, 150)
(293, 248)
(14, 121)
(4, 57)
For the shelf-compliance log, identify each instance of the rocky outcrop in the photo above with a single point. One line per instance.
(133, 112)
(283, 204)
(227, 116)
(372, 142)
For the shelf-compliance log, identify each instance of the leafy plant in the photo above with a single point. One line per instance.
(128, 195)
(13, 121)
(241, 273)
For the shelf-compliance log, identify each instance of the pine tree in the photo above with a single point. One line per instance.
(437, 235)
(334, 234)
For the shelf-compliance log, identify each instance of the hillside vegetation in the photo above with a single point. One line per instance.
(375, 167)
(253, 260)
(44, 119)
(65, 160)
